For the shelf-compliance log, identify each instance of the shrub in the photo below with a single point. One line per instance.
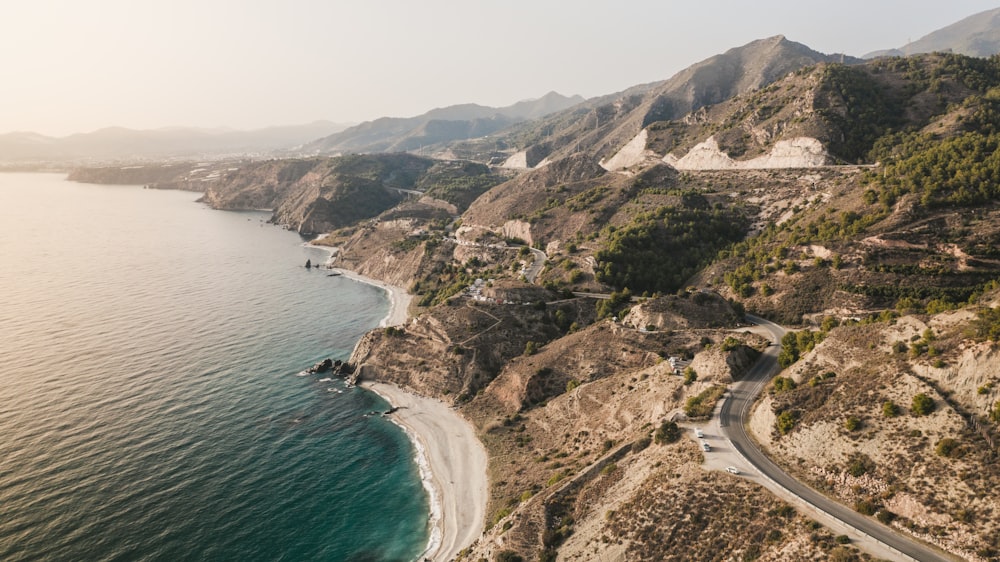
(701, 406)
(530, 348)
(783, 384)
(852, 424)
(786, 421)
(865, 507)
(843, 539)
(690, 375)
(885, 516)
(890, 409)
(947, 447)
(922, 405)
(571, 384)
(668, 432)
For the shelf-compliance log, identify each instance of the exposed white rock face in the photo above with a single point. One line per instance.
(629, 155)
(517, 161)
(801, 152)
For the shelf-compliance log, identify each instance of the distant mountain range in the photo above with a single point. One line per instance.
(116, 143)
(976, 36)
(457, 122)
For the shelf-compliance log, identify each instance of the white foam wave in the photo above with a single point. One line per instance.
(427, 479)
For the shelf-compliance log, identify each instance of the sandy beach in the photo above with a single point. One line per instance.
(457, 462)
(447, 444)
(399, 299)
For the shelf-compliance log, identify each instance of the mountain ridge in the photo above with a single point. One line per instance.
(977, 36)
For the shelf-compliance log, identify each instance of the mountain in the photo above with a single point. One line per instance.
(395, 134)
(117, 143)
(603, 125)
(976, 36)
(858, 204)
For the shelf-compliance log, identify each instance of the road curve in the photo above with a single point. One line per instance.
(536, 266)
(734, 415)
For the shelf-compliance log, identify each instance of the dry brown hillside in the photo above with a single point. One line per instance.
(849, 426)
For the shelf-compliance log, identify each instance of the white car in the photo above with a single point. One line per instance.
(699, 433)
(732, 470)
(705, 447)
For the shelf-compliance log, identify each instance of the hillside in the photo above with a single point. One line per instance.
(397, 134)
(976, 36)
(881, 250)
(603, 125)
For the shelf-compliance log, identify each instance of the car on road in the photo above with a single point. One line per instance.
(699, 433)
(732, 470)
(705, 447)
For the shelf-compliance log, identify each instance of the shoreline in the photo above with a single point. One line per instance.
(399, 298)
(448, 454)
(457, 463)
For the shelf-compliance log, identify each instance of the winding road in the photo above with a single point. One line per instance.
(733, 417)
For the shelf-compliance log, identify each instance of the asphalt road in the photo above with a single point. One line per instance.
(536, 266)
(733, 417)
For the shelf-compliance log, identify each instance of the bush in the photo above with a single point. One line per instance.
(885, 516)
(890, 409)
(865, 507)
(922, 405)
(786, 421)
(783, 384)
(843, 539)
(668, 432)
(852, 424)
(530, 348)
(690, 375)
(947, 447)
(701, 406)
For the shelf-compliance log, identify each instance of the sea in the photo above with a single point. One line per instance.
(153, 404)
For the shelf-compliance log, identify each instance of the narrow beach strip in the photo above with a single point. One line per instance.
(445, 441)
(457, 463)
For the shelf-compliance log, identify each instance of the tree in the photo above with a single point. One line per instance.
(922, 405)
(668, 432)
(690, 375)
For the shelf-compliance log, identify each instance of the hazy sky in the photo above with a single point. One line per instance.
(78, 65)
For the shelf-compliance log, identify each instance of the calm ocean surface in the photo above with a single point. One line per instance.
(150, 407)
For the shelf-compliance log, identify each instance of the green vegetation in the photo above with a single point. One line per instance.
(947, 447)
(794, 344)
(922, 405)
(785, 422)
(459, 183)
(615, 305)
(987, 324)
(783, 384)
(890, 409)
(852, 423)
(668, 432)
(530, 348)
(701, 406)
(690, 375)
(659, 251)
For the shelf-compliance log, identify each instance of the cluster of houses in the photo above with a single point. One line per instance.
(475, 292)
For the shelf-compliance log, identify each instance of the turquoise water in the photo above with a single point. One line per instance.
(150, 403)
